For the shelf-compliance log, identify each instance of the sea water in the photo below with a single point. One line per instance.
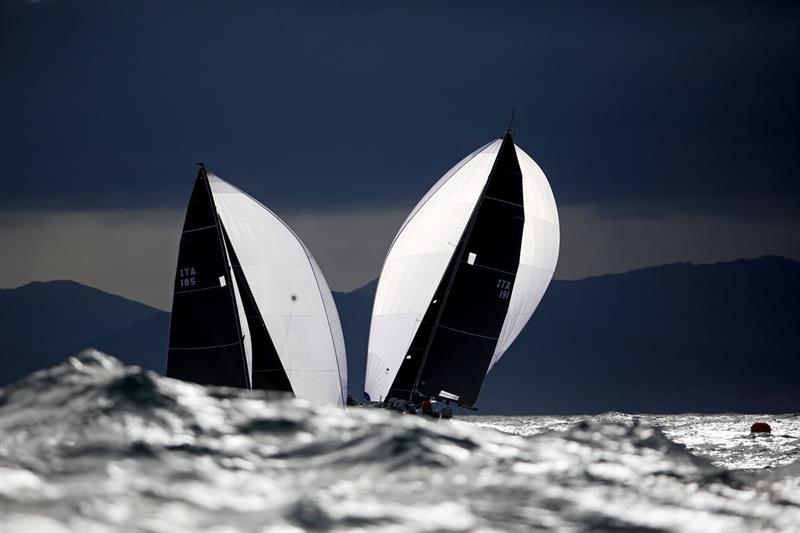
(94, 445)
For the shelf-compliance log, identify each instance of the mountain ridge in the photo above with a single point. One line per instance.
(676, 337)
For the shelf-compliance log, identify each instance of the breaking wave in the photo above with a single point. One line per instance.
(93, 445)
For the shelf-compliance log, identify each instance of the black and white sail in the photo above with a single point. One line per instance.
(463, 277)
(251, 307)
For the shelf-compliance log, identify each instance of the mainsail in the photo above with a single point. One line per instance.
(462, 277)
(251, 307)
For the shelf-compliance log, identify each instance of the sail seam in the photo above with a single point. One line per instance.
(467, 332)
(198, 229)
(307, 371)
(200, 289)
(208, 347)
(493, 269)
(503, 201)
(544, 220)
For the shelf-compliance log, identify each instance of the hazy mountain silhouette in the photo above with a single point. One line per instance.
(42, 323)
(673, 338)
(680, 337)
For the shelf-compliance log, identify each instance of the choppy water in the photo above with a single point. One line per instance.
(93, 445)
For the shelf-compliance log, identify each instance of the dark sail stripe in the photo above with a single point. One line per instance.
(205, 340)
(472, 296)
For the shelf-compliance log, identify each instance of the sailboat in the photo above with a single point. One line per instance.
(251, 308)
(462, 277)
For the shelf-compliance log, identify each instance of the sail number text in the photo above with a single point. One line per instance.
(186, 277)
(503, 289)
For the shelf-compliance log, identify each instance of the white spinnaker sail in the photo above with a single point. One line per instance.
(291, 294)
(424, 245)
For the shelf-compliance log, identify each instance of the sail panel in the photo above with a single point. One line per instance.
(416, 262)
(288, 290)
(205, 341)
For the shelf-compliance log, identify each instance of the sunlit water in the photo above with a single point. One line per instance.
(93, 445)
(723, 439)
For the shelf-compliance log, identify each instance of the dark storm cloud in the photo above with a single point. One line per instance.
(644, 108)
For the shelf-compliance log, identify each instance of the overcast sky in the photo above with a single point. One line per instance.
(669, 132)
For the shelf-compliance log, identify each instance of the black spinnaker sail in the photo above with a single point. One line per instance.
(450, 353)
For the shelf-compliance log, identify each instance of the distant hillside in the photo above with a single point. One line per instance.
(41, 323)
(355, 312)
(680, 337)
(744, 305)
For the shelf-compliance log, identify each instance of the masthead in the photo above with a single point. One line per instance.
(510, 129)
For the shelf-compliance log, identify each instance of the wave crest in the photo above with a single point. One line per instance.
(95, 443)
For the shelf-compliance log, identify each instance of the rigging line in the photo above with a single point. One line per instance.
(200, 289)
(199, 229)
(467, 332)
(512, 122)
(506, 272)
(504, 201)
(207, 347)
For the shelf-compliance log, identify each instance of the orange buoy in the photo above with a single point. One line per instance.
(760, 427)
